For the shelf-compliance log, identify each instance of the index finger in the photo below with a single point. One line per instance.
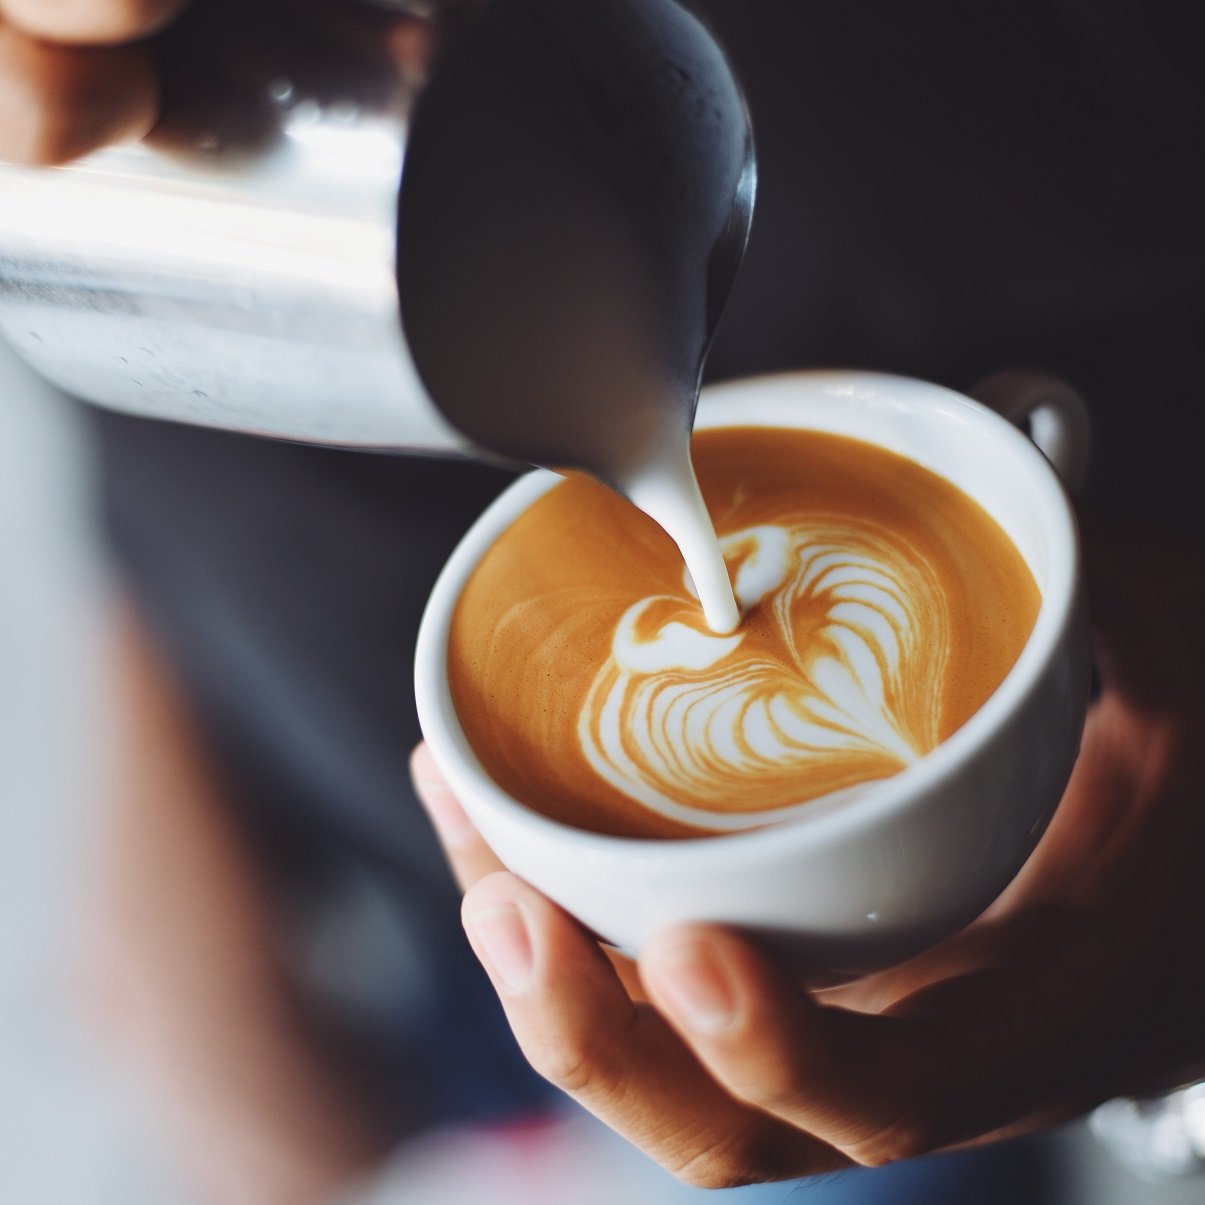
(91, 21)
(579, 1027)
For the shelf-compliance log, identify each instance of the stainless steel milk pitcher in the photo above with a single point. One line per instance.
(466, 263)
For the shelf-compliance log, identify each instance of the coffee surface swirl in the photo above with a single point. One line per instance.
(881, 607)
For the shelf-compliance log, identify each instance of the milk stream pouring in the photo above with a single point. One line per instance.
(521, 257)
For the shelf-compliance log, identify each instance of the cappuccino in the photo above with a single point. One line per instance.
(880, 607)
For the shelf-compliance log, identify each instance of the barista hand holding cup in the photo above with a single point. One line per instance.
(1079, 984)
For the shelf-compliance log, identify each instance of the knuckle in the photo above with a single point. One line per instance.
(738, 1159)
(779, 1089)
(906, 1138)
(777, 1085)
(576, 1063)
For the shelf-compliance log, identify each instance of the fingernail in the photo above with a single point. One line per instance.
(501, 935)
(698, 987)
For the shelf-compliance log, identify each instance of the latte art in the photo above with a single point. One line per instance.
(880, 607)
(847, 689)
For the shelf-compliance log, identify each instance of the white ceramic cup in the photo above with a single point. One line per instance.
(846, 887)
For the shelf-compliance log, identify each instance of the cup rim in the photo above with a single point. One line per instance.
(821, 819)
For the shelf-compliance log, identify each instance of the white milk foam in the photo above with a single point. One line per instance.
(668, 491)
(681, 713)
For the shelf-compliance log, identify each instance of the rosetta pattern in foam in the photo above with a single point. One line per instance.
(842, 686)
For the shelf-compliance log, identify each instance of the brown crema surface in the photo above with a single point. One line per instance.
(903, 607)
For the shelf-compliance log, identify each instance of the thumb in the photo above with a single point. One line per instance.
(468, 854)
